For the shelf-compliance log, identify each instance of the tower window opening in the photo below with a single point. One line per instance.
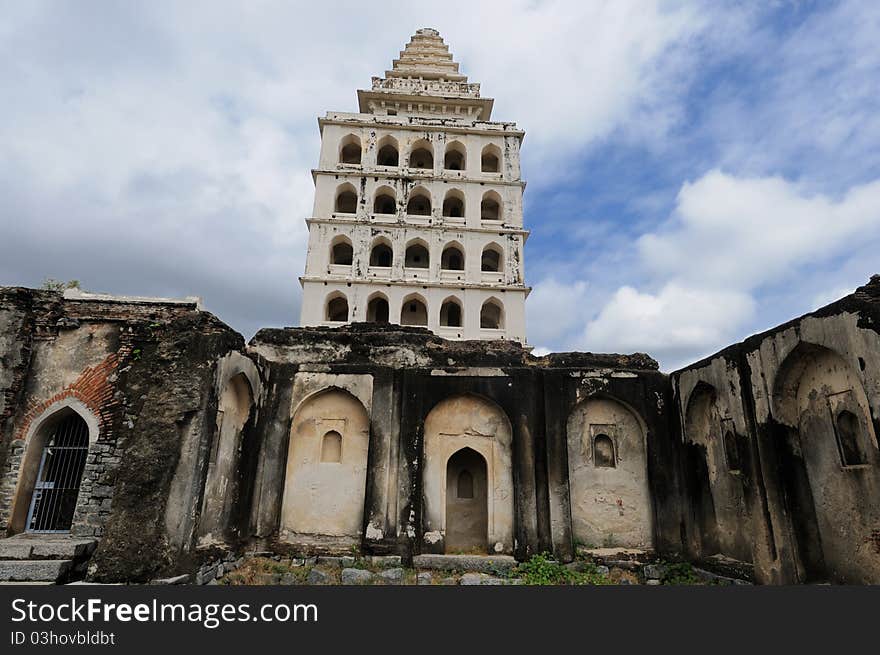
(385, 204)
(416, 257)
(490, 208)
(387, 156)
(414, 312)
(453, 206)
(490, 316)
(351, 151)
(450, 314)
(381, 255)
(337, 310)
(421, 158)
(452, 259)
(731, 452)
(419, 205)
(377, 310)
(489, 161)
(342, 254)
(490, 261)
(454, 159)
(346, 201)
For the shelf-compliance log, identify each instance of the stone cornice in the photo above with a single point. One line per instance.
(388, 172)
(434, 227)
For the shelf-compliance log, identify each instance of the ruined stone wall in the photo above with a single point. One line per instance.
(427, 399)
(324, 440)
(142, 376)
(767, 474)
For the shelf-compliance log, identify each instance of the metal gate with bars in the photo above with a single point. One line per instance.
(61, 467)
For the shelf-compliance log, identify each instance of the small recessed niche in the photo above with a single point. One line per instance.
(331, 447)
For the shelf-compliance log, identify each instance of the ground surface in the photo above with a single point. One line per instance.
(540, 570)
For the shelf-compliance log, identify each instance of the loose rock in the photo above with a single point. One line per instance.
(356, 576)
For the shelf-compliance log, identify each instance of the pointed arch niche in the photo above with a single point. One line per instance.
(610, 498)
(470, 434)
(326, 473)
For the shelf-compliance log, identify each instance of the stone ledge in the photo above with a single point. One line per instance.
(478, 563)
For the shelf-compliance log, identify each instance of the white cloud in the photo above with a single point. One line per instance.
(555, 309)
(741, 232)
(671, 324)
(728, 236)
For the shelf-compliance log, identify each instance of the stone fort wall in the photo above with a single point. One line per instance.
(389, 439)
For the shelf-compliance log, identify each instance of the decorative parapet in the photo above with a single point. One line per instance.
(420, 86)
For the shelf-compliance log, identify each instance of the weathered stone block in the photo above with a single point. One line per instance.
(391, 576)
(317, 576)
(356, 576)
(34, 570)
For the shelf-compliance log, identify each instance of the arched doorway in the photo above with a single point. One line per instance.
(59, 454)
(467, 509)
(467, 433)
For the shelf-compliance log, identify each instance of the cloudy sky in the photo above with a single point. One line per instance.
(698, 171)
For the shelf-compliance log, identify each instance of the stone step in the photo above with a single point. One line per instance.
(479, 563)
(23, 547)
(41, 570)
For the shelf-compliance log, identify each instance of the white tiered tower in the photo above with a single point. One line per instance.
(418, 207)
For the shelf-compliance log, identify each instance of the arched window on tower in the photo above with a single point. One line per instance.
(385, 201)
(331, 447)
(450, 313)
(731, 452)
(490, 161)
(419, 203)
(491, 315)
(490, 207)
(381, 254)
(350, 150)
(341, 254)
(413, 311)
(388, 152)
(417, 255)
(421, 156)
(346, 199)
(491, 259)
(454, 160)
(452, 258)
(453, 204)
(337, 309)
(377, 309)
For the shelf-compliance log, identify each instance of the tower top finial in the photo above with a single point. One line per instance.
(426, 57)
(425, 70)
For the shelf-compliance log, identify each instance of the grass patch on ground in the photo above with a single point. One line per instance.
(543, 570)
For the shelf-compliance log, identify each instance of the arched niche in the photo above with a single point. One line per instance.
(832, 478)
(610, 505)
(378, 308)
(223, 481)
(467, 512)
(414, 311)
(476, 424)
(43, 431)
(325, 480)
(707, 475)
